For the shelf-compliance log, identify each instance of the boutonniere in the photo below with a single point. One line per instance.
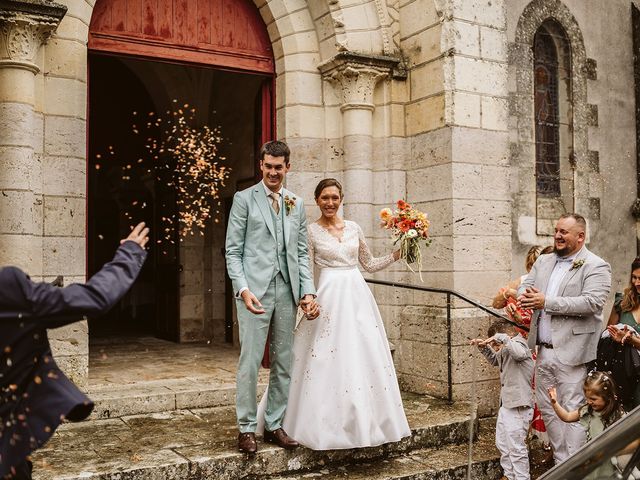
(289, 203)
(577, 264)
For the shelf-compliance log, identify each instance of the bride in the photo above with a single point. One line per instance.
(344, 392)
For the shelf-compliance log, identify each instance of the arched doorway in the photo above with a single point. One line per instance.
(148, 59)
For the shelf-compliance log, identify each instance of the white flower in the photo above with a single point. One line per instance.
(412, 233)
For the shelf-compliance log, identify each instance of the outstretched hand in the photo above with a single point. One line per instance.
(139, 235)
(479, 342)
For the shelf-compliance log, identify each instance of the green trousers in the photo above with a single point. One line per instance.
(280, 309)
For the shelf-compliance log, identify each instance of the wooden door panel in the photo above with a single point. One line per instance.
(225, 29)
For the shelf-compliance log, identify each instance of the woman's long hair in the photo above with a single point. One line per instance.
(630, 297)
(603, 385)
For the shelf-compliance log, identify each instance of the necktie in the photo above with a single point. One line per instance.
(274, 201)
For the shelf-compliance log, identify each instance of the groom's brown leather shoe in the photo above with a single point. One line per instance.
(280, 438)
(247, 443)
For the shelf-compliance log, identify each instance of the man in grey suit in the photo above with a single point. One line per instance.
(567, 290)
(268, 263)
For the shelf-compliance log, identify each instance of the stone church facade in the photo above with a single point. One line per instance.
(494, 116)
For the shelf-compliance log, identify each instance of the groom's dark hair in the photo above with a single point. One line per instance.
(275, 148)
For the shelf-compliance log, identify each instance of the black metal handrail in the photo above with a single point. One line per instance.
(449, 294)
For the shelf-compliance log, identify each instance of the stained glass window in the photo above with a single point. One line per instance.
(547, 119)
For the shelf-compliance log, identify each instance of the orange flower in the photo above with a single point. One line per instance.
(385, 214)
(402, 205)
(405, 225)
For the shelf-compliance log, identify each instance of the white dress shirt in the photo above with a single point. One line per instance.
(562, 267)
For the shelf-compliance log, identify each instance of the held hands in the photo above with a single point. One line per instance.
(139, 235)
(531, 298)
(310, 307)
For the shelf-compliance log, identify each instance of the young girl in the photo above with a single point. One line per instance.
(602, 410)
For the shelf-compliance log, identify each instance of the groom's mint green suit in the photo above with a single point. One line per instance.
(266, 253)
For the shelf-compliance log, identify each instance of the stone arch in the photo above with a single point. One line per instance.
(585, 161)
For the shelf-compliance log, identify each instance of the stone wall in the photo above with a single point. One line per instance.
(604, 125)
(457, 171)
(63, 93)
(42, 116)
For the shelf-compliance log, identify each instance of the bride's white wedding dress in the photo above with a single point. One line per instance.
(344, 392)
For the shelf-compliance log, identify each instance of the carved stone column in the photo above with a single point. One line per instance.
(356, 76)
(24, 27)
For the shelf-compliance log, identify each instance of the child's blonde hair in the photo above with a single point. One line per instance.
(603, 385)
(533, 254)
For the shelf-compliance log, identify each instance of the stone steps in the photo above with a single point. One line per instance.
(193, 444)
(448, 462)
(115, 401)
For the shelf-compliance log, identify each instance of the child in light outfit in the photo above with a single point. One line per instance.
(508, 350)
(603, 409)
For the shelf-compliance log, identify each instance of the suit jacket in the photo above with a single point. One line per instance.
(516, 371)
(251, 249)
(35, 396)
(576, 311)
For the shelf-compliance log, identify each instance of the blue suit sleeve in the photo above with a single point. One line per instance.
(102, 291)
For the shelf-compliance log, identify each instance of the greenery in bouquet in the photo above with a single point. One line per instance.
(410, 228)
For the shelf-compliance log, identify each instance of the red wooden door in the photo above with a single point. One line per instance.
(225, 33)
(228, 34)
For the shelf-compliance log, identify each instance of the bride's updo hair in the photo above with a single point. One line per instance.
(327, 182)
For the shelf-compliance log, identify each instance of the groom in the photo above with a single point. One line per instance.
(268, 264)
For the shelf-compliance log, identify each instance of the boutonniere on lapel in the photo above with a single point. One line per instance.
(289, 203)
(577, 264)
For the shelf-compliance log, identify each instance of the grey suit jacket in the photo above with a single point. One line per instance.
(576, 311)
(516, 371)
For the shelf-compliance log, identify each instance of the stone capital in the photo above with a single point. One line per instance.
(24, 27)
(357, 75)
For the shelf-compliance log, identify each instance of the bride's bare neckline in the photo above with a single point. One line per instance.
(328, 232)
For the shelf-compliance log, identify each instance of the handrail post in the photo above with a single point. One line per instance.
(449, 352)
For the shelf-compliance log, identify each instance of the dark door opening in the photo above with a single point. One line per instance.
(180, 294)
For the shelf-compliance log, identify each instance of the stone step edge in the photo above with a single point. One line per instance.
(230, 464)
(424, 464)
(109, 404)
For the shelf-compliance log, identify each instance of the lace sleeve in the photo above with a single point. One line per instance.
(367, 260)
(312, 253)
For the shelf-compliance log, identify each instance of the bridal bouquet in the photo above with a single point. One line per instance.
(410, 227)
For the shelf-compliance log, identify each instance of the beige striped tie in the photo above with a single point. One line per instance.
(274, 201)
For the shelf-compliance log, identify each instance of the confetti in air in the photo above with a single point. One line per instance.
(185, 157)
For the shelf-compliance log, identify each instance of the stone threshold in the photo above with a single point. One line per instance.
(201, 444)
